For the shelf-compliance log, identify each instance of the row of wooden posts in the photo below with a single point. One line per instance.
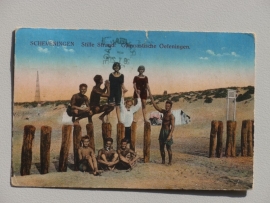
(247, 138)
(45, 143)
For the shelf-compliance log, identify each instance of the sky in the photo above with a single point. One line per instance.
(174, 61)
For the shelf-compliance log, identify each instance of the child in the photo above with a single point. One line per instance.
(127, 110)
(140, 82)
(87, 157)
(127, 157)
(116, 86)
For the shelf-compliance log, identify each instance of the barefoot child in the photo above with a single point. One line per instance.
(127, 111)
(140, 82)
(166, 131)
(107, 157)
(116, 86)
(87, 157)
(95, 95)
(127, 157)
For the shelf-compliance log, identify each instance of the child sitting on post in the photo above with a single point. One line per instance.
(87, 157)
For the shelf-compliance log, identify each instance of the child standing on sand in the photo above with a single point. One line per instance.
(140, 83)
(116, 86)
(127, 110)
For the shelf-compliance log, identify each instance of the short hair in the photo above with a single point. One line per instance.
(83, 85)
(116, 64)
(85, 137)
(123, 140)
(97, 78)
(169, 102)
(141, 67)
(108, 139)
(129, 100)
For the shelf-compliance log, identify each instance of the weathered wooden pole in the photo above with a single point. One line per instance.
(250, 136)
(90, 133)
(106, 131)
(147, 142)
(231, 139)
(66, 134)
(213, 136)
(252, 121)
(77, 136)
(26, 156)
(133, 135)
(120, 134)
(45, 145)
(244, 132)
(219, 139)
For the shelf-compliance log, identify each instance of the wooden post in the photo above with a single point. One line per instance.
(231, 139)
(120, 134)
(106, 131)
(26, 156)
(252, 121)
(213, 134)
(244, 132)
(219, 139)
(133, 135)
(77, 136)
(250, 136)
(66, 134)
(45, 145)
(90, 133)
(147, 142)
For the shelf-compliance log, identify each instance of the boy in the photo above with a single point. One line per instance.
(127, 157)
(87, 157)
(126, 111)
(95, 95)
(80, 105)
(107, 157)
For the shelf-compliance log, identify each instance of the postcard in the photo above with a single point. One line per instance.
(130, 109)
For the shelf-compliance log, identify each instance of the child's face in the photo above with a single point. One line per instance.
(141, 70)
(108, 144)
(83, 90)
(86, 143)
(123, 145)
(116, 68)
(128, 105)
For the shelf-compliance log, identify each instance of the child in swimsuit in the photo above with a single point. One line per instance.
(116, 86)
(140, 83)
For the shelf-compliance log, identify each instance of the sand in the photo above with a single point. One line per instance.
(191, 168)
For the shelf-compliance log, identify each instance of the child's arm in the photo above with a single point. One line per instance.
(139, 103)
(80, 154)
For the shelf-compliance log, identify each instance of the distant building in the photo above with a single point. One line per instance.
(165, 92)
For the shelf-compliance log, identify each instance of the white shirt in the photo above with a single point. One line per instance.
(127, 116)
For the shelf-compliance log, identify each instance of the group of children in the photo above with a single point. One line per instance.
(107, 158)
(115, 90)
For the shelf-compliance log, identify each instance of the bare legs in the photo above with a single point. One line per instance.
(162, 152)
(143, 108)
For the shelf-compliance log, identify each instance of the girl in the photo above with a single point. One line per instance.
(140, 83)
(116, 86)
